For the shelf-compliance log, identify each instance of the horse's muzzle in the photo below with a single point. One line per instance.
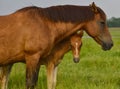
(107, 46)
(76, 60)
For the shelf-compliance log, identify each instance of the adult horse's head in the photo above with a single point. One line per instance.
(76, 44)
(97, 28)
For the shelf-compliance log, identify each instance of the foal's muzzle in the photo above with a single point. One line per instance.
(76, 59)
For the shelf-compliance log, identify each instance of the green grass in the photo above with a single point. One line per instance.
(97, 69)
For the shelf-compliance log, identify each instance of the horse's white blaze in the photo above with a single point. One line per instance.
(76, 50)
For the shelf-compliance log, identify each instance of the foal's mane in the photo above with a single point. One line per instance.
(65, 13)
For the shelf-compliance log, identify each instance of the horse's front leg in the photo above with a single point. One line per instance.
(32, 70)
(51, 76)
(4, 76)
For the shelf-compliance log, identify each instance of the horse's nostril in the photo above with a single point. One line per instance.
(111, 44)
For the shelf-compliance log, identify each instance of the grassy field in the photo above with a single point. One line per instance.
(97, 69)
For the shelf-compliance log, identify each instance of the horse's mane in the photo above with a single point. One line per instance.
(65, 13)
(68, 13)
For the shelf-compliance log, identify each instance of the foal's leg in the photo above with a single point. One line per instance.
(51, 76)
(4, 76)
(32, 70)
(54, 77)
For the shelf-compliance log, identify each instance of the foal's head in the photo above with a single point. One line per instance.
(76, 43)
(97, 28)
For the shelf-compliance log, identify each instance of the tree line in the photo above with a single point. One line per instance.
(113, 22)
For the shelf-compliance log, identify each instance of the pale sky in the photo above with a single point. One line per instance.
(111, 7)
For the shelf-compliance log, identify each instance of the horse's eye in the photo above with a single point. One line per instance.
(103, 23)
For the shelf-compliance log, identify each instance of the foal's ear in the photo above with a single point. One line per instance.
(94, 7)
(80, 33)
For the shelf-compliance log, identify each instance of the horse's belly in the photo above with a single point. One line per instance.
(10, 55)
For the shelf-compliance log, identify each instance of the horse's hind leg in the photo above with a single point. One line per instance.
(4, 76)
(51, 76)
(32, 70)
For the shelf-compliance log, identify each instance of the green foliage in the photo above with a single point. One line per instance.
(113, 22)
(97, 69)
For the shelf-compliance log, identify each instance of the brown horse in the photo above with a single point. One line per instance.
(30, 34)
(52, 60)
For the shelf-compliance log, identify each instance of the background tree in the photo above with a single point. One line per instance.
(113, 22)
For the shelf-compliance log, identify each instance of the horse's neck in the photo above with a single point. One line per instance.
(61, 31)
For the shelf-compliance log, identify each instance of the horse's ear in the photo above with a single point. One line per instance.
(80, 33)
(94, 7)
